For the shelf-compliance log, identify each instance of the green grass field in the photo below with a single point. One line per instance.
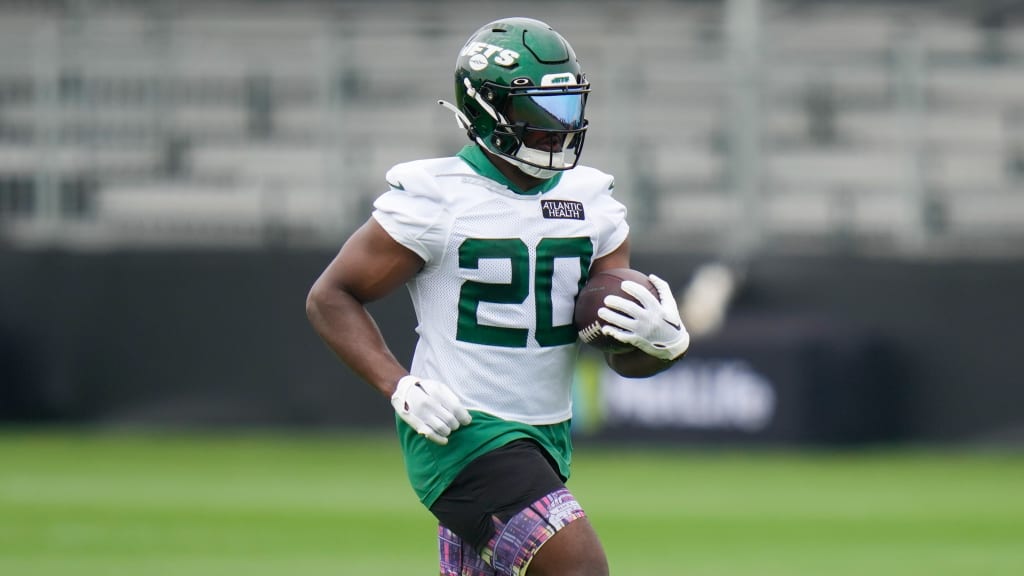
(89, 503)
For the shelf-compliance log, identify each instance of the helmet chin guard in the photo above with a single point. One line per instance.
(530, 160)
(521, 95)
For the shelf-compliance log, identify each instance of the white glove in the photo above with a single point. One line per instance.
(430, 407)
(653, 325)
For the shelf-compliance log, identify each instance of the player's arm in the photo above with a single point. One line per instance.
(369, 266)
(636, 363)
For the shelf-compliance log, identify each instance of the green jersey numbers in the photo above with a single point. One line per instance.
(517, 290)
(548, 250)
(471, 251)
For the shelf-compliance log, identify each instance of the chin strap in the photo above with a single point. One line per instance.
(529, 158)
(460, 117)
(463, 122)
(475, 95)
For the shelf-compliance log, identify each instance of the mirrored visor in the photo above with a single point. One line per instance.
(559, 111)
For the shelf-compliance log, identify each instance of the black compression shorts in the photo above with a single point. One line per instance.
(500, 483)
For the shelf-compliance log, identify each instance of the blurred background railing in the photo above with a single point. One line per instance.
(735, 127)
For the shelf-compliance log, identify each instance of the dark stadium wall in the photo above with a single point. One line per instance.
(220, 338)
(176, 338)
(954, 328)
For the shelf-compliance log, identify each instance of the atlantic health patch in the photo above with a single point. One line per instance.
(565, 209)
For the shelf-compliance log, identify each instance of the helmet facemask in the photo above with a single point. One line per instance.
(541, 128)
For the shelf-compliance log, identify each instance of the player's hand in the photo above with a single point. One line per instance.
(430, 407)
(653, 325)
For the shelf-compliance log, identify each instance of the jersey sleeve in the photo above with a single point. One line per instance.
(613, 229)
(412, 212)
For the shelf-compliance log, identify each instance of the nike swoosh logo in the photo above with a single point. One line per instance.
(396, 186)
(676, 326)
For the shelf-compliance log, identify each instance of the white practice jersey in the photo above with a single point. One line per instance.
(494, 301)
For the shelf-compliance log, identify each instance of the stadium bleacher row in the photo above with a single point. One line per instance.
(184, 123)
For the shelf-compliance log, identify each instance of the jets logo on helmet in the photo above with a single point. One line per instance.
(481, 53)
(528, 107)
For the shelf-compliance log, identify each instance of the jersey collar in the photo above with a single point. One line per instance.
(481, 164)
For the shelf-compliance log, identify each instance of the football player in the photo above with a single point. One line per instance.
(494, 244)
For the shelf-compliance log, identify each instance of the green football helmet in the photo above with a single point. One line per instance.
(520, 93)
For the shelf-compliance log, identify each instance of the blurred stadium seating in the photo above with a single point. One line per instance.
(894, 126)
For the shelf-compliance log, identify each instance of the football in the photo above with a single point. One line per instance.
(591, 297)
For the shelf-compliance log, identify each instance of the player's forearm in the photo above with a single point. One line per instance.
(351, 333)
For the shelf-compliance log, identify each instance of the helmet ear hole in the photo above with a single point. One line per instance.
(505, 140)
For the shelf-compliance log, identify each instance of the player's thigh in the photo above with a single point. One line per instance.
(575, 550)
(496, 486)
(511, 506)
